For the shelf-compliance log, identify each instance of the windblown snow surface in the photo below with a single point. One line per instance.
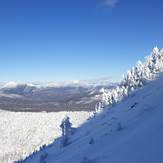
(131, 131)
(22, 133)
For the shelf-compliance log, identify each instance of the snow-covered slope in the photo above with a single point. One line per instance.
(23, 133)
(128, 131)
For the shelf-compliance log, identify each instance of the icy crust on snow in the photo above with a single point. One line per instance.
(135, 78)
(24, 133)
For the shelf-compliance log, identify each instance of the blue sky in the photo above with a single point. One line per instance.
(56, 40)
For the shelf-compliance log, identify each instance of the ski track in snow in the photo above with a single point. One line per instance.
(22, 133)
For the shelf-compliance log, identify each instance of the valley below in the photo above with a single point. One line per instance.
(33, 98)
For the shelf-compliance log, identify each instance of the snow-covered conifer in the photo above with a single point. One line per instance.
(135, 78)
(66, 127)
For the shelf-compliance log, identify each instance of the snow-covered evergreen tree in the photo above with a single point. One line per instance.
(135, 78)
(66, 127)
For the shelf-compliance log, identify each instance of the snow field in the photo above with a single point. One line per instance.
(23, 133)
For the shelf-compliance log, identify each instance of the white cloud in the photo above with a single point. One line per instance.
(111, 3)
(10, 84)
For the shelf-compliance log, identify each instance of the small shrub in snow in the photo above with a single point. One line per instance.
(43, 157)
(66, 127)
(132, 106)
(41, 148)
(119, 126)
(91, 141)
(98, 107)
(85, 160)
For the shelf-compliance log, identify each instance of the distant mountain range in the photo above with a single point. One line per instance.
(51, 96)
